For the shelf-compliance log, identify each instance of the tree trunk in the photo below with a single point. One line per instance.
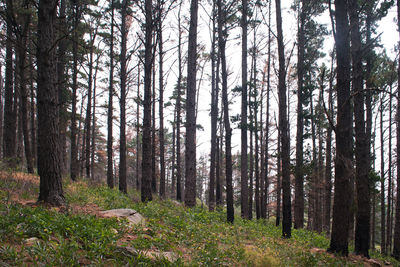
(74, 168)
(299, 177)
(62, 88)
(278, 181)
(161, 103)
(243, 156)
(153, 125)
(389, 190)
(383, 207)
(343, 167)
(178, 111)
(361, 244)
(328, 164)
(138, 100)
(110, 175)
(283, 125)
(396, 244)
(10, 122)
(88, 119)
(190, 144)
(214, 116)
(146, 138)
(222, 34)
(267, 117)
(122, 134)
(22, 42)
(51, 190)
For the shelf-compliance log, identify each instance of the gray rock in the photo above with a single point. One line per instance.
(31, 241)
(152, 254)
(134, 217)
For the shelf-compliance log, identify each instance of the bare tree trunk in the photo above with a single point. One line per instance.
(10, 122)
(161, 103)
(214, 116)
(22, 42)
(396, 244)
(328, 164)
(146, 139)
(138, 100)
(267, 118)
(343, 166)
(190, 144)
(153, 126)
(178, 112)
(122, 132)
(62, 82)
(222, 34)
(383, 208)
(389, 190)
(110, 175)
(74, 167)
(299, 177)
(243, 156)
(278, 181)
(51, 190)
(361, 244)
(283, 125)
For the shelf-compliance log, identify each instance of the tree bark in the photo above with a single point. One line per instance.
(382, 193)
(361, 244)
(122, 132)
(10, 122)
(161, 103)
(74, 168)
(343, 167)
(22, 42)
(190, 144)
(396, 244)
(51, 190)
(243, 127)
(283, 125)
(299, 177)
(110, 175)
(214, 116)
(146, 139)
(222, 35)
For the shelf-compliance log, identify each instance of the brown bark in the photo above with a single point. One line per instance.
(396, 244)
(178, 112)
(122, 132)
(22, 42)
(362, 233)
(110, 174)
(74, 167)
(222, 35)
(161, 103)
(214, 116)
(190, 144)
(146, 139)
(51, 190)
(343, 166)
(10, 122)
(284, 131)
(299, 176)
(244, 197)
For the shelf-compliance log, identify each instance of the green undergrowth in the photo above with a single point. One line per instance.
(195, 236)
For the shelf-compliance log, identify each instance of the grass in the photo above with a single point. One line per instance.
(195, 236)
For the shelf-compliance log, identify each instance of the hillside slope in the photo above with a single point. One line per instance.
(76, 235)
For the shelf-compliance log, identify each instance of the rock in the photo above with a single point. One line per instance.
(31, 241)
(152, 254)
(374, 263)
(134, 217)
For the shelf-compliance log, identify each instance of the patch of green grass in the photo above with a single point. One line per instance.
(196, 236)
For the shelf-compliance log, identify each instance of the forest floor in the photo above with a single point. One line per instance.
(32, 234)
